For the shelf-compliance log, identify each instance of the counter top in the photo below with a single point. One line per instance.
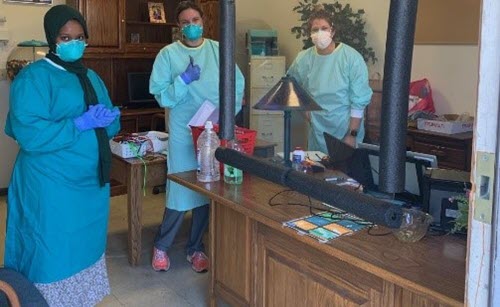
(434, 266)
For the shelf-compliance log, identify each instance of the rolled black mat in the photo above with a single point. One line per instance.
(270, 171)
(366, 207)
(371, 209)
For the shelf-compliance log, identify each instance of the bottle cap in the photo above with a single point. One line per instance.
(208, 125)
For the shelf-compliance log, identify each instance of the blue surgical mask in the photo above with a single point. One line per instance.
(192, 31)
(71, 51)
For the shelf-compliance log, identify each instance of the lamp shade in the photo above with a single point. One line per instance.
(287, 95)
(32, 43)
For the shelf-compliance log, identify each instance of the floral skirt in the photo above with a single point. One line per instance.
(86, 288)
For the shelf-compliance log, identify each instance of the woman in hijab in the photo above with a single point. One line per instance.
(58, 199)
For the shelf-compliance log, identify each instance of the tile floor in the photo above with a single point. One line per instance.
(141, 286)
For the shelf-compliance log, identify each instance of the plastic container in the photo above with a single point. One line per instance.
(233, 175)
(298, 156)
(414, 226)
(208, 166)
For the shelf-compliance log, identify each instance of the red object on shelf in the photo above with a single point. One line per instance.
(246, 137)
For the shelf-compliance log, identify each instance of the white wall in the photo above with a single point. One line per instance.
(24, 22)
(451, 69)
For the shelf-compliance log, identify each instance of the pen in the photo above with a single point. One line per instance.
(335, 179)
(191, 60)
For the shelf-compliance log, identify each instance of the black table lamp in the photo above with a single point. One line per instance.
(287, 95)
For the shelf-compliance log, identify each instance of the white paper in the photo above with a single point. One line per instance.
(207, 111)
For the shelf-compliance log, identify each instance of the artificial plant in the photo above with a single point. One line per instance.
(349, 26)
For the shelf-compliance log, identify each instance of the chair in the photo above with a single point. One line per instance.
(18, 291)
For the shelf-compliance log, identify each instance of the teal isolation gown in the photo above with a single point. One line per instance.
(57, 213)
(338, 82)
(183, 101)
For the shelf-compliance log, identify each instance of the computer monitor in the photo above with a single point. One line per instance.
(414, 171)
(138, 91)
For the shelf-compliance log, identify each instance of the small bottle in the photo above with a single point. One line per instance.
(233, 175)
(208, 166)
(298, 156)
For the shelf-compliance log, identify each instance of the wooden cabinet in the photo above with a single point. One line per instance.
(210, 9)
(138, 120)
(256, 261)
(103, 23)
(122, 40)
(373, 113)
(452, 150)
(123, 27)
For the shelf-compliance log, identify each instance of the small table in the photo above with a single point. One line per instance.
(127, 176)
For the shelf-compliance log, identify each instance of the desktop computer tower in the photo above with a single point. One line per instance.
(439, 186)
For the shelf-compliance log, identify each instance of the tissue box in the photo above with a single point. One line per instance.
(448, 127)
(159, 140)
(138, 144)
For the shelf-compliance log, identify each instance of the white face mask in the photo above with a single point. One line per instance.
(322, 39)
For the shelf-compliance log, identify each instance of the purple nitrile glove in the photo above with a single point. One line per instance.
(97, 116)
(110, 113)
(191, 73)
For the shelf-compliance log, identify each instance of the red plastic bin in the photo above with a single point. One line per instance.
(246, 137)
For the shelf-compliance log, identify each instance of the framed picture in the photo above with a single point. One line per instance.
(156, 12)
(176, 34)
(30, 1)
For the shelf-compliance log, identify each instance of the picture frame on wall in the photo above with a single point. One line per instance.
(156, 12)
(47, 2)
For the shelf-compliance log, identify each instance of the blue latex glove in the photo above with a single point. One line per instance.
(97, 116)
(191, 73)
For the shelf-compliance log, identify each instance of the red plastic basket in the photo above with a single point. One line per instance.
(245, 136)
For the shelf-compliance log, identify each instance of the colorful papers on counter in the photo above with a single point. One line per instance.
(326, 226)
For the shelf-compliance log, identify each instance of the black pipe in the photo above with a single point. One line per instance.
(396, 89)
(369, 208)
(286, 144)
(227, 69)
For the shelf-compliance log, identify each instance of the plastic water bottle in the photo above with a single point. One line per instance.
(208, 166)
(298, 155)
(232, 174)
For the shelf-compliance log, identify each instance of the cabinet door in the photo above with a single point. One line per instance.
(104, 19)
(269, 128)
(266, 71)
(211, 18)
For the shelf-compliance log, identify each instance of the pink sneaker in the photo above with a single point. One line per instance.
(160, 261)
(199, 262)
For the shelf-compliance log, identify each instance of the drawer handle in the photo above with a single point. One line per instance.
(438, 153)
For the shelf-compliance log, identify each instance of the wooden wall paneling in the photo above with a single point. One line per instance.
(232, 262)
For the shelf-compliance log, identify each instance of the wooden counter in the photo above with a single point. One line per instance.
(255, 261)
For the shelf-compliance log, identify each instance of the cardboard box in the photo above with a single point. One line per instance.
(451, 126)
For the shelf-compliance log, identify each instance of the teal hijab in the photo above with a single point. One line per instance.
(54, 20)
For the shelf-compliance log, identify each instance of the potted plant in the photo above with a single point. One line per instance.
(349, 26)
(462, 221)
